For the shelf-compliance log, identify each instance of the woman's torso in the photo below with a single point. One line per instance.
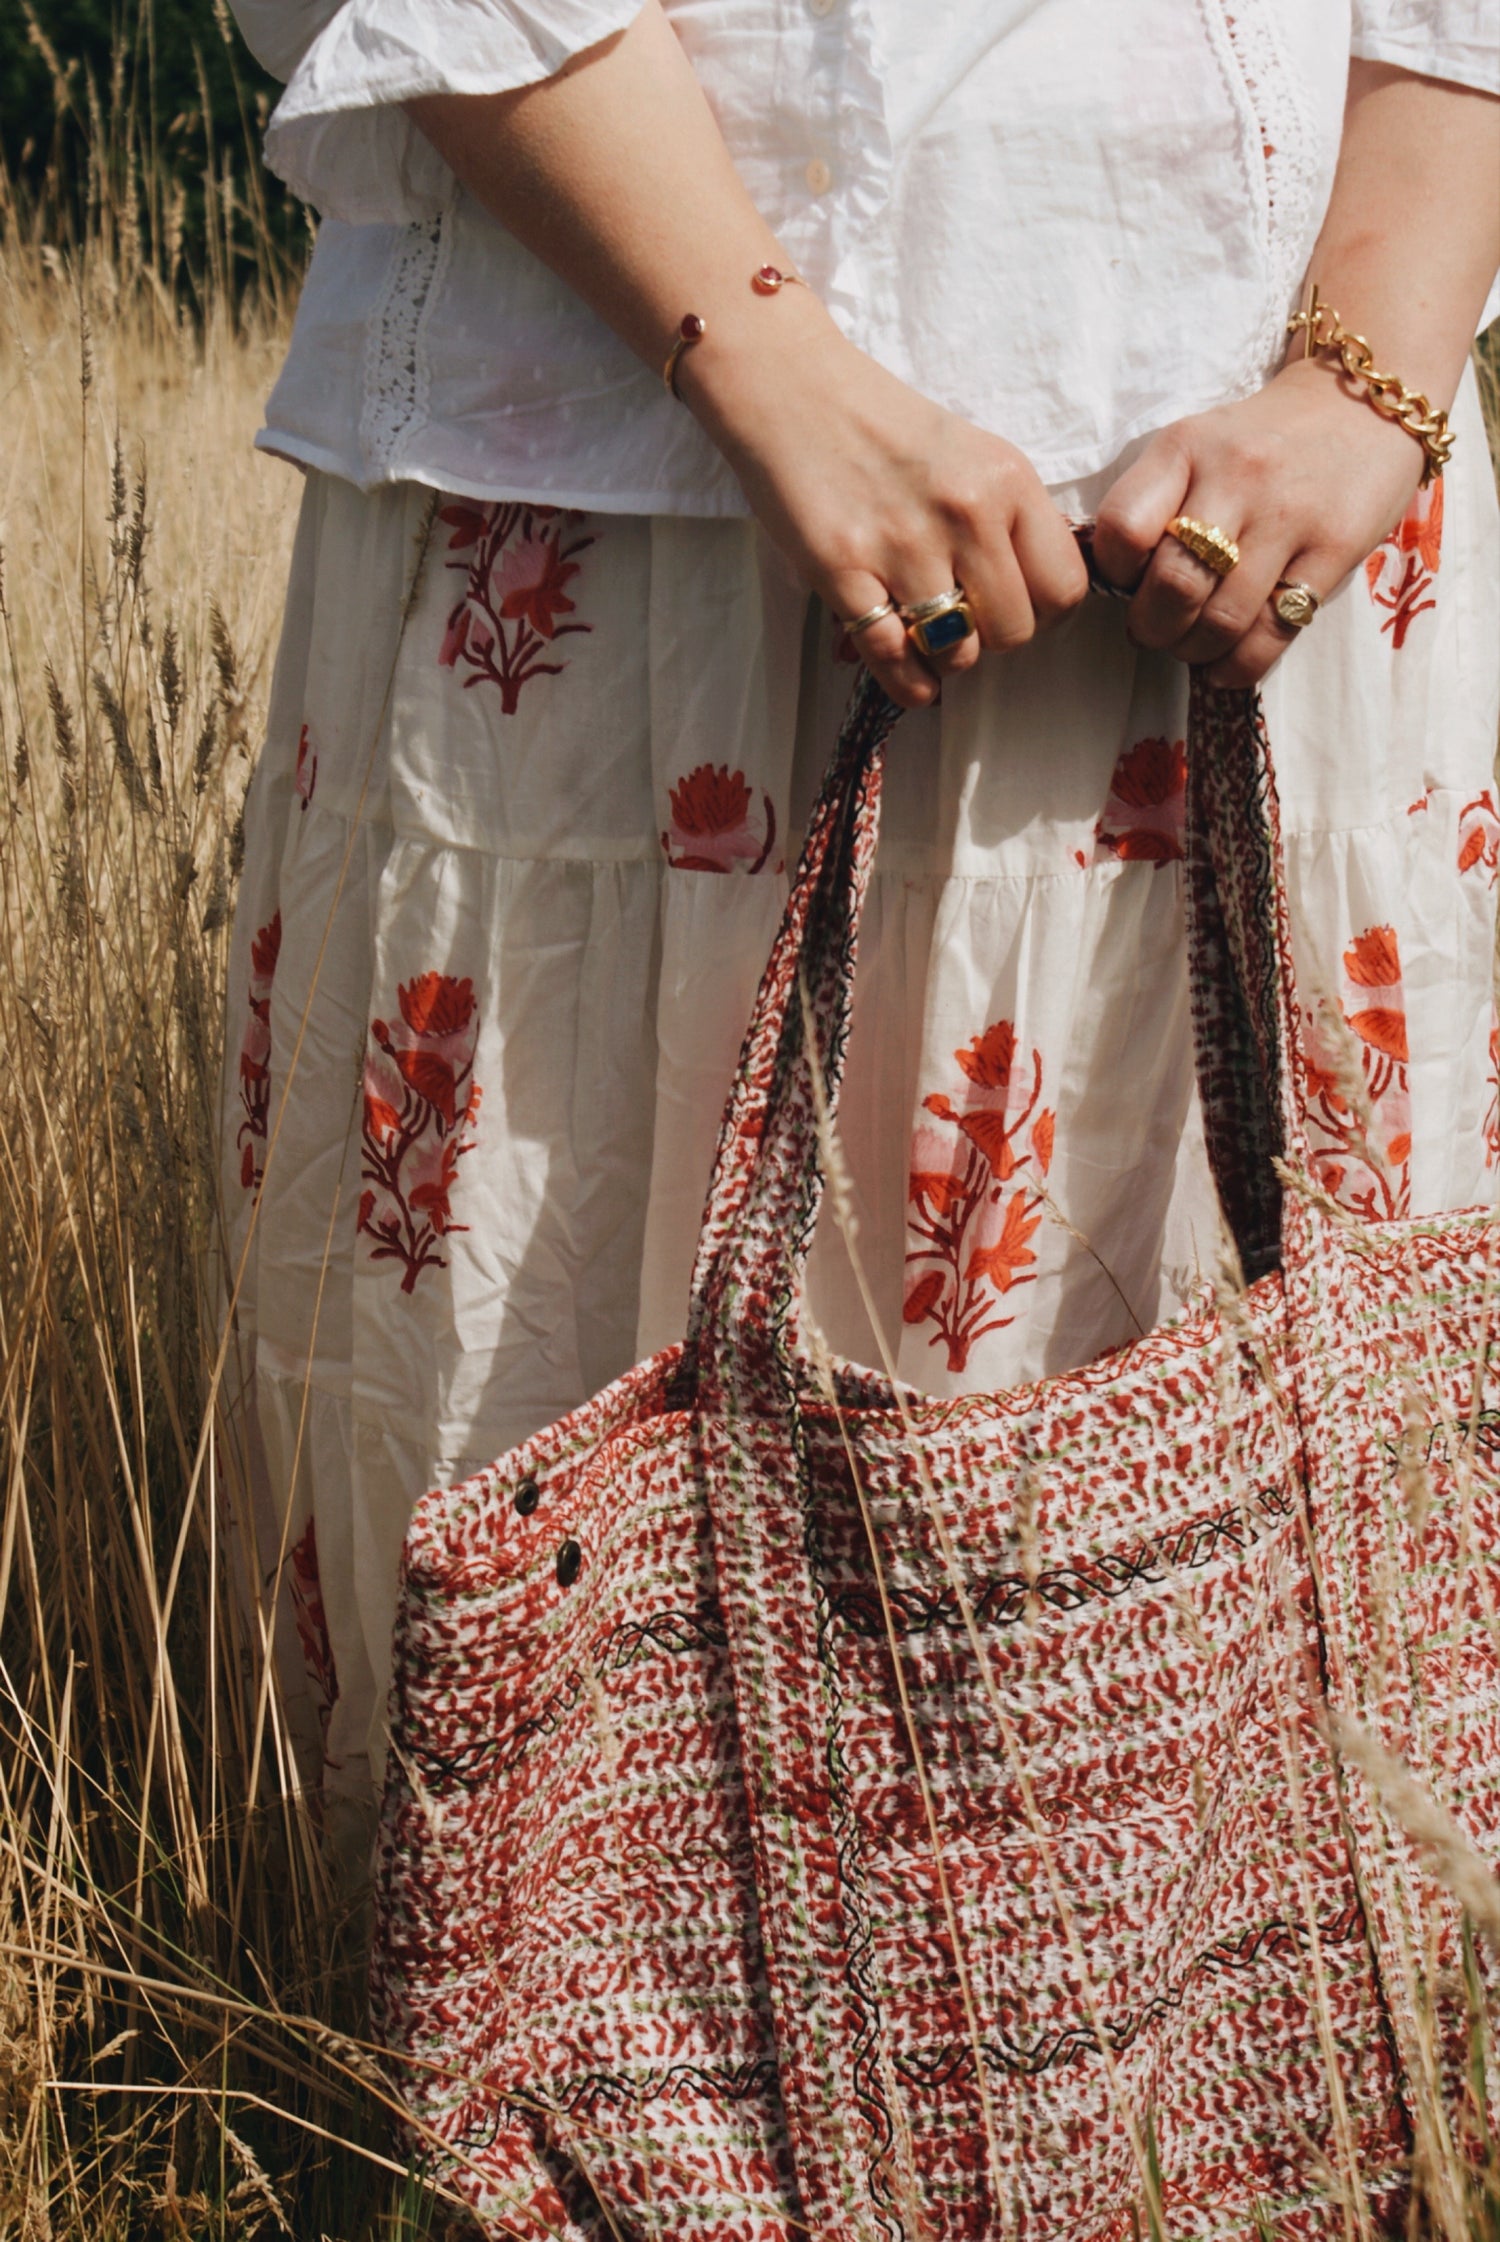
(1071, 220)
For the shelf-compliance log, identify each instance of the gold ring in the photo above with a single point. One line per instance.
(1294, 604)
(1205, 543)
(875, 615)
(936, 626)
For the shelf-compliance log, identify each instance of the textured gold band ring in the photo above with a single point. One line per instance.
(1205, 543)
(1294, 603)
(874, 615)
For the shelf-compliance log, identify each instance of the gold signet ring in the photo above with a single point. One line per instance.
(936, 626)
(1294, 604)
(1205, 543)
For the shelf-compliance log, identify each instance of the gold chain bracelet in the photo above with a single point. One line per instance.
(1323, 330)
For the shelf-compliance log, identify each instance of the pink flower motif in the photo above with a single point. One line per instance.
(715, 825)
(421, 1106)
(527, 584)
(501, 632)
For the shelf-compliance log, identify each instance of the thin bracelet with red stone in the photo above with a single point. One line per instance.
(766, 280)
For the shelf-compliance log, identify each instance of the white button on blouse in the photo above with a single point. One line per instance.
(1071, 220)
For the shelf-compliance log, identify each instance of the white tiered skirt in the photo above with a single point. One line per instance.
(516, 849)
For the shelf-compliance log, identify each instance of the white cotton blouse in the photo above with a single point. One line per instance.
(1070, 220)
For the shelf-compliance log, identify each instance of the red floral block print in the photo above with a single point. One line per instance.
(312, 1622)
(1143, 814)
(1492, 1110)
(1402, 569)
(255, 1055)
(716, 823)
(421, 1106)
(519, 566)
(1360, 1131)
(306, 780)
(976, 1194)
(1479, 836)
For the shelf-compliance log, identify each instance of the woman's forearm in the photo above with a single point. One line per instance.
(1411, 241)
(616, 175)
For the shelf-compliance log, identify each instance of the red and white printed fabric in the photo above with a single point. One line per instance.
(516, 851)
(816, 1808)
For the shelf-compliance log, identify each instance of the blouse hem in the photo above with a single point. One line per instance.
(1059, 474)
(683, 505)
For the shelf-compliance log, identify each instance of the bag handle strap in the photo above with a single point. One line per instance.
(767, 1157)
(767, 1180)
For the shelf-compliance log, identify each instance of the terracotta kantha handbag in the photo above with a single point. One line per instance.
(820, 1810)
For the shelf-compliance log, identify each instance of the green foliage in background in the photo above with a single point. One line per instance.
(153, 107)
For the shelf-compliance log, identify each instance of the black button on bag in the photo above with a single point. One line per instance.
(569, 1558)
(527, 1496)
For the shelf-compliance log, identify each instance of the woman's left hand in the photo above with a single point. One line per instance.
(1304, 477)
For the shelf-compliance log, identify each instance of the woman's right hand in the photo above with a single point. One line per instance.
(873, 492)
(615, 173)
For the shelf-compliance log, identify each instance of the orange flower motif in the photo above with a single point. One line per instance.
(1374, 961)
(382, 1119)
(1011, 1251)
(1143, 816)
(1401, 572)
(437, 1004)
(1362, 1147)
(939, 1192)
(990, 1057)
(1150, 773)
(923, 1297)
(1479, 835)
(1382, 1030)
(987, 1131)
(1420, 529)
(964, 1248)
(433, 1080)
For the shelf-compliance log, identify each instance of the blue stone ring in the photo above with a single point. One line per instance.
(936, 626)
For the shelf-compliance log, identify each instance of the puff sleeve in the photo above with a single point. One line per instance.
(339, 136)
(1454, 39)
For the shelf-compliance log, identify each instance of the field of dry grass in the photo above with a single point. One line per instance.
(174, 1969)
(180, 1990)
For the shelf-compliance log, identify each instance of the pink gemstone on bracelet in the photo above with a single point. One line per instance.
(692, 327)
(767, 280)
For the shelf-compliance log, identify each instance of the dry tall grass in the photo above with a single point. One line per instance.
(173, 1966)
(180, 1992)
